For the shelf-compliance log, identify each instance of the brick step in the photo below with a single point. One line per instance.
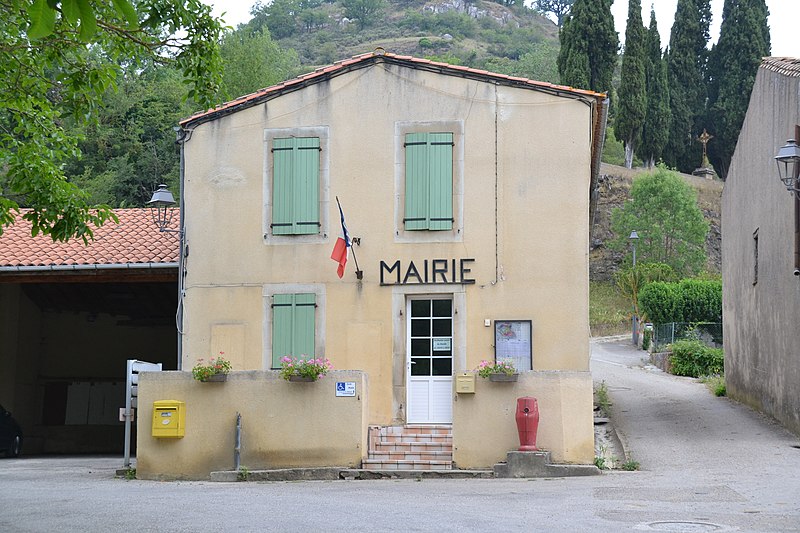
(413, 447)
(441, 439)
(377, 464)
(411, 456)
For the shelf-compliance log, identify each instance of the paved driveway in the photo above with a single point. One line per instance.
(708, 464)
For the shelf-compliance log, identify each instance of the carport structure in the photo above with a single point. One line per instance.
(71, 315)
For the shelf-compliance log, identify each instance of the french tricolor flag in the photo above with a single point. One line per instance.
(342, 245)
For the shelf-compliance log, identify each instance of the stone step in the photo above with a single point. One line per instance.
(401, 464)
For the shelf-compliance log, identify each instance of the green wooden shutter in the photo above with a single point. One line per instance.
(440, 177)
(429, 181)
(306, 186)
(416, 201)
(303, 333)
(282, 311)
(282, 178)
(293, 326)
(295, 198)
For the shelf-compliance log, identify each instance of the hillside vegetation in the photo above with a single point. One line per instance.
(481, 34)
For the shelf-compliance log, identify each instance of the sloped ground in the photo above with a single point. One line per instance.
(615, 185)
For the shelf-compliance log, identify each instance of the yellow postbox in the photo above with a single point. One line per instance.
(169, 419)
(465, 383)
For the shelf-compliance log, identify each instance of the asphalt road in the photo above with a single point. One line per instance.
(708, 464)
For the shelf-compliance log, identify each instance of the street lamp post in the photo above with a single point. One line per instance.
(635, 321)
(162, 208)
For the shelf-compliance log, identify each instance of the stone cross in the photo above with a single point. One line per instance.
(704, 138)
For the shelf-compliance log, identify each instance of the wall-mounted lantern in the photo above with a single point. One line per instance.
(162, 207)
(788, 160)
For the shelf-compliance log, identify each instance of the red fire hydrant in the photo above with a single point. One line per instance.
(527, 423)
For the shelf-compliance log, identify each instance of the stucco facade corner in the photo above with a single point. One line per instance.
(484, 426)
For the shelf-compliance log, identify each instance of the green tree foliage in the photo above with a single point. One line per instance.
(538, 64)
(365, 12)
(558, 8)
(57, 61)
(631, 280)
(588, 46)
(663, 210)
(253, 61)
(688, 300)
(743, 41)
(632, 106)
(279, 16)
(130, 148)
(686, 67)
(656, 123)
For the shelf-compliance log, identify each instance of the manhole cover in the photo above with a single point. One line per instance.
(689, 526)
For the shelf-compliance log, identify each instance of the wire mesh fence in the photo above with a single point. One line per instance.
(708, 332)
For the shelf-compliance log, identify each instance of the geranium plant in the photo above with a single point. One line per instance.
(485, 368)
(216, 365)
(304, 366)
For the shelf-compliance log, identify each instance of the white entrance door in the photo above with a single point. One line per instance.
(429, 374)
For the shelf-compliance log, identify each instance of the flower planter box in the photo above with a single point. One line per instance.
(302, 379)
(503, 377)
(216, 378)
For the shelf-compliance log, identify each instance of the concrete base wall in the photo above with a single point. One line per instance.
(284, 424)
(484, 427)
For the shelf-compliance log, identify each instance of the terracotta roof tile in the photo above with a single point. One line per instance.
(788, 66)
(135, 239)
(378, 55)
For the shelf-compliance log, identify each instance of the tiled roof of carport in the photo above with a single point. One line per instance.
(134, 241)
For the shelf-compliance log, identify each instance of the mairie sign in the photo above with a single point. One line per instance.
(428, 272)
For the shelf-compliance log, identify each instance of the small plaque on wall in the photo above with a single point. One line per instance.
(513, 342)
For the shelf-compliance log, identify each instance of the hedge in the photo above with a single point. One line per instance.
(688, 300)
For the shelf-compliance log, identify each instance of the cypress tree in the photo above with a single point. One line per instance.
(656, 123)
(686, 66)
(743, 41)
(573, 57)
(632, 106)
(579, 64)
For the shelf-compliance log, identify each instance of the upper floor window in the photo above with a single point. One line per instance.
(295, 196)
(428, 181)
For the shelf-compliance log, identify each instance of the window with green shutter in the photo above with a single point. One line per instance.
(295, 194)
(429, 181)
(292, 326)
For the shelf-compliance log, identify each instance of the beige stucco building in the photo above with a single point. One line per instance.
(467, 196)
(761, 252)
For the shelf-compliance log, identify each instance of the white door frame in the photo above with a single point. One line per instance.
(429, 397)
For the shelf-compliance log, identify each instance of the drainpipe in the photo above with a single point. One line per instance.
(182, 136)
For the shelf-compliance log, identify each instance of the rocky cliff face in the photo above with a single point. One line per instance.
(614, 189)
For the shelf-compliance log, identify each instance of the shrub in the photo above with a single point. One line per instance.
(694, 359)
(646, 339)
(689, 300)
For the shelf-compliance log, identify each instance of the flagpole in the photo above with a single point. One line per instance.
(359, 273)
